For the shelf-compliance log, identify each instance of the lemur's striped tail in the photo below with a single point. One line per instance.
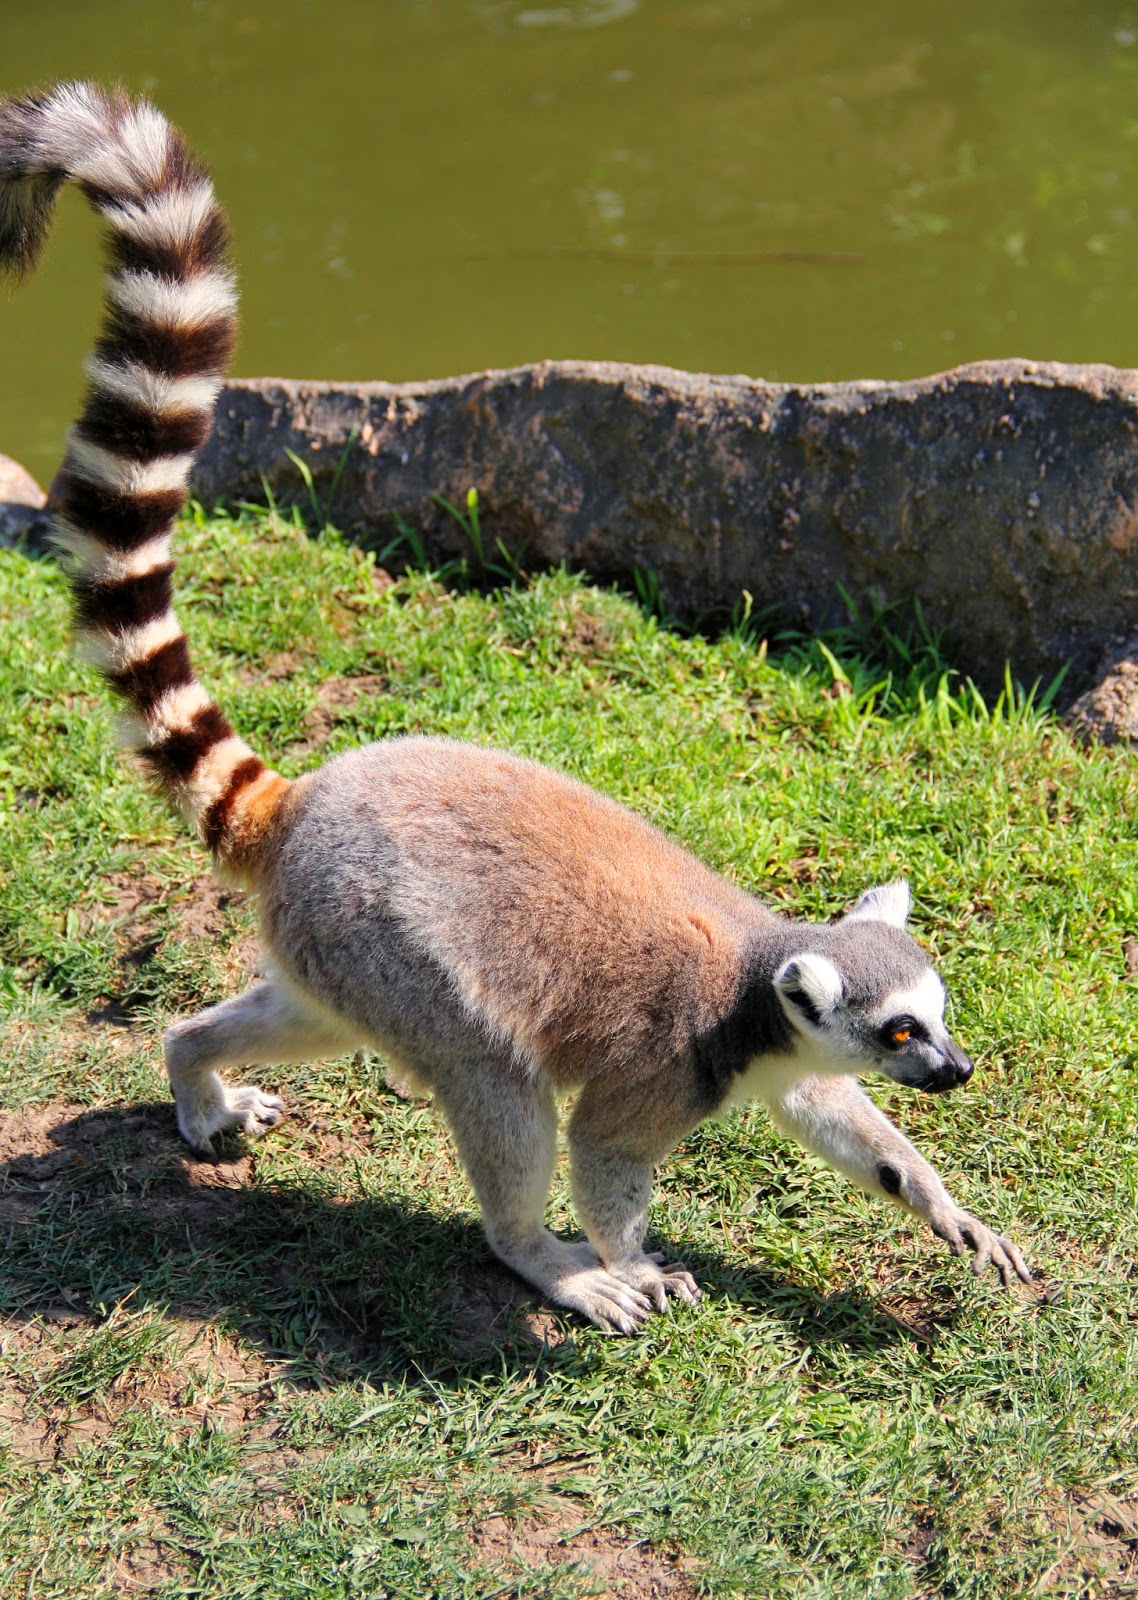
(168, 330)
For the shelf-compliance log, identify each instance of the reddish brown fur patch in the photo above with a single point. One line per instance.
(535, 865)
(253, 818)
(215, 823)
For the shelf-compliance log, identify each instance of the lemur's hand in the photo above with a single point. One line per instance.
(963, 1232)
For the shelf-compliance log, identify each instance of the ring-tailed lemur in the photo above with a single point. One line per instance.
(499, 931)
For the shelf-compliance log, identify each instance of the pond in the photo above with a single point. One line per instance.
(795, 189)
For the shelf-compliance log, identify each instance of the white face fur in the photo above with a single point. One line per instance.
(870, 1001)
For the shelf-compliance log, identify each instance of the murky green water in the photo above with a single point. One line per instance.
(423, 187)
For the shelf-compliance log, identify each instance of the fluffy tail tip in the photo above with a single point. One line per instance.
(25, 216)
(27, 195)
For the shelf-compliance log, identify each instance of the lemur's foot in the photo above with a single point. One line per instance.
(252, 1111)
(613, 1306)
(571, 1276)
(619, 1299)
(654, 1276)
(242, 1109)
(963, 1233)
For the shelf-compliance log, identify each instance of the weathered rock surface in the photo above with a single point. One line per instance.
(1003, 496)
(23, 519)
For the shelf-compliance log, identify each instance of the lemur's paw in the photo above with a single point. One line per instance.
(252, 1111)
(964, 1232)
(244, 1110)
(654, 1276)
(614, 1307)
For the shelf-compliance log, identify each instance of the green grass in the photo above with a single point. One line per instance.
(300, 1373)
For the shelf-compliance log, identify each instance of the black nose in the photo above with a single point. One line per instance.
(962, 1068)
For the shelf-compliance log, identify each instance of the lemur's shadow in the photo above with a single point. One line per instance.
(106, 1205)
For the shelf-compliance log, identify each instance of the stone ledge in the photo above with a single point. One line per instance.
(1002, 496)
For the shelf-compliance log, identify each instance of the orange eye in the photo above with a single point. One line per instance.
(901, 1034)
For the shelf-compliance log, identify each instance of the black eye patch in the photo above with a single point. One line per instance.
(897, 1032)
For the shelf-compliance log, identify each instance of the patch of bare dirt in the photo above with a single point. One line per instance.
(805, 869)
(150, 1565)
(485, 1312)
(127, 903)
(204, 913)
(201, 914)
(335, 697)
(124, 896)
(919, 1541)
(1100, 1534)
(924, 1313)
(285, 664)
(214, 1382)
(621, 1568)
(27, 1135)
(276, 668)
(126, 899)
(200, 1380)
(91, 1155)
(588, 635)
(44, 1144)
(26, 1437)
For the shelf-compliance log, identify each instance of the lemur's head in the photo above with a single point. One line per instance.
(864, 996)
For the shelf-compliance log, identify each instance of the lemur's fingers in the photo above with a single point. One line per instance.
(1001, 1253)
(982, 1249)
(1009, 1261)
(256, 1109)
(963, 1233)
(946, 1228)
(614, 1306)
(226, 1108)
(657, 1279)
(675, 1280)
(680, 1282)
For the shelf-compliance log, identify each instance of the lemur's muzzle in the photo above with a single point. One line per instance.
(956, 1070)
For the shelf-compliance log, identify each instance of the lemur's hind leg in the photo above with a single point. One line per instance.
(504, 1122)
(268, 1023)
(615, 1141)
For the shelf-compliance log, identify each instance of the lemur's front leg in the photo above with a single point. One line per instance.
(836, 1119)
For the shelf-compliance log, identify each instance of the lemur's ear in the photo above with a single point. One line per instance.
(810, 988)
(889, 903)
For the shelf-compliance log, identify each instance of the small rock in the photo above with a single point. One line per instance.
(23, 519)
(1108, 713)
(1130, 956)
(18, 487)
